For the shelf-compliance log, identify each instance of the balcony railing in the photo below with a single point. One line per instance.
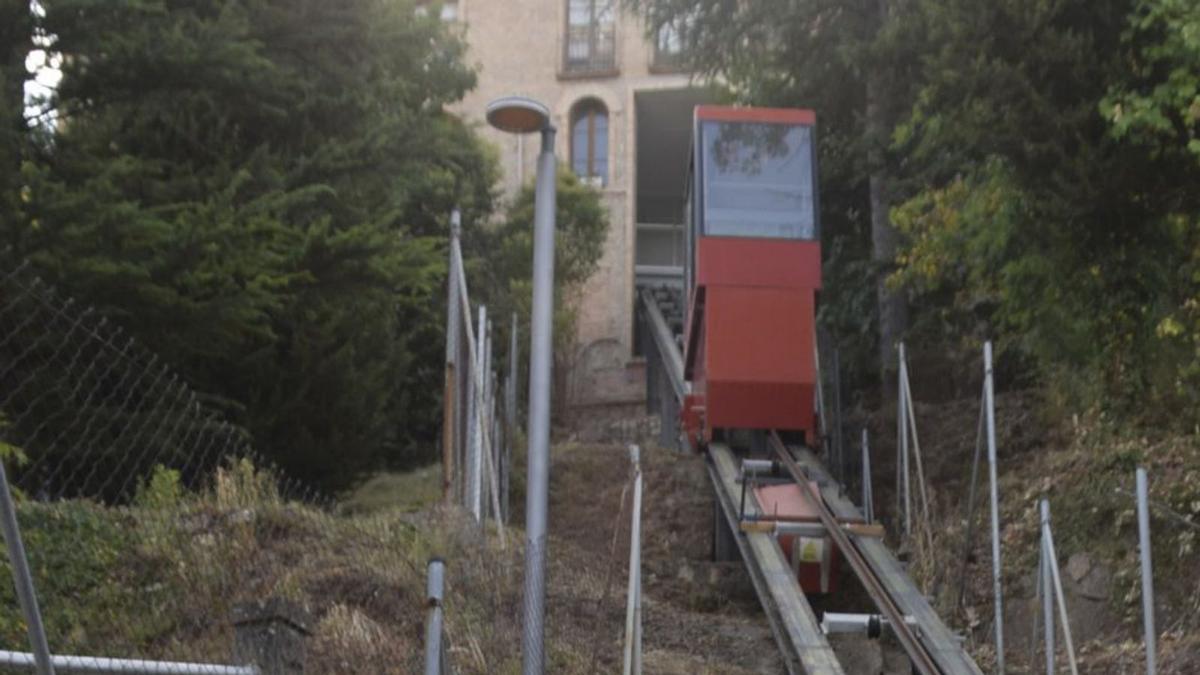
(590, 50)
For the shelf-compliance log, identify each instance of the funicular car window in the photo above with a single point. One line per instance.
(758, 180)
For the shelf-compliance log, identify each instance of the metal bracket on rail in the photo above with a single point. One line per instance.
(767, 471)
(756, 471)
(922, 660)
(871, 625)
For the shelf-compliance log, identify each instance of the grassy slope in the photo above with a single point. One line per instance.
(413, 491)
(160, 580)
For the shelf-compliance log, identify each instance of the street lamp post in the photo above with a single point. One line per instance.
(521, 115)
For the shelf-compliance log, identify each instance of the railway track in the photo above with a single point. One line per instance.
(931, 647)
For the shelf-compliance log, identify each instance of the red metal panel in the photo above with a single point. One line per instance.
(769, 115)
(758, 405)
(788, 503)
(780, 263)
(758, 357)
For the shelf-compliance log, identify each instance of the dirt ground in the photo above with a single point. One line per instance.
(703, 617)
(1038, 457)
(699, 616)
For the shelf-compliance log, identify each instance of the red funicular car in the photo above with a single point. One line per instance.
(753, 270)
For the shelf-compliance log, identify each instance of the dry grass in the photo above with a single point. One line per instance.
(412, 491)
(1080, 465)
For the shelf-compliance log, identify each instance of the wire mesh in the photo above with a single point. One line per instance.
(151, 523)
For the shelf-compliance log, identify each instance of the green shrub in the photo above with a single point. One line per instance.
(161, 490)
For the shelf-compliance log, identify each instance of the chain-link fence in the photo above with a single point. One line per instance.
(153, 530)
(481, 411)
(91, 413)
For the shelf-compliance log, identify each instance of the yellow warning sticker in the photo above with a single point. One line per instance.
(810, 550)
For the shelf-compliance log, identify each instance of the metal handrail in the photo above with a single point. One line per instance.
(665, 341)
(96, 664)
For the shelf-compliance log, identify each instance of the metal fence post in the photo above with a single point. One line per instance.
(838, 441)
(868, 498)
(819, 399)
(475, 486)
(1038, 605)
(462, 399)
(498, 442)
(482, 393)
(989, 396)
(1056, 579)
(435, 586)
(449, 409)
(486, 414)
(902, 441)
(633, 606)
(510, 414)
(22, 579)
(470, 401)
(1143, 510)
(915, 448)
(497, 451)
(1046, 579)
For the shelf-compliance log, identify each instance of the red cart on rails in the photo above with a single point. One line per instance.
(752, 273)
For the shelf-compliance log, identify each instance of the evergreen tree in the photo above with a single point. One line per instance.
(256, 188)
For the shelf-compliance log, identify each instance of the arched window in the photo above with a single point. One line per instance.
(589, 142)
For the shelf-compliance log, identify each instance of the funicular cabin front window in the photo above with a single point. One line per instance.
(758, 180)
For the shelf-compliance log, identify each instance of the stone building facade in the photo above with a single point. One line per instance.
(623, 112)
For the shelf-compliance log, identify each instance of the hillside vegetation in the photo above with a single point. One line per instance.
(161, 578)
(1084, 466)
(259, 191)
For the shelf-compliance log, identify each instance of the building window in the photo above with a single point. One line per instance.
(668, 45)
(589, 142)
(670, 40)
(591, 37)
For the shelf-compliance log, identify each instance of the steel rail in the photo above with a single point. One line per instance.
(934, 651)
(919, 655)
(802, 644)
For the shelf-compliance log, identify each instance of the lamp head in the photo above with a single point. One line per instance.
(518, 115)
